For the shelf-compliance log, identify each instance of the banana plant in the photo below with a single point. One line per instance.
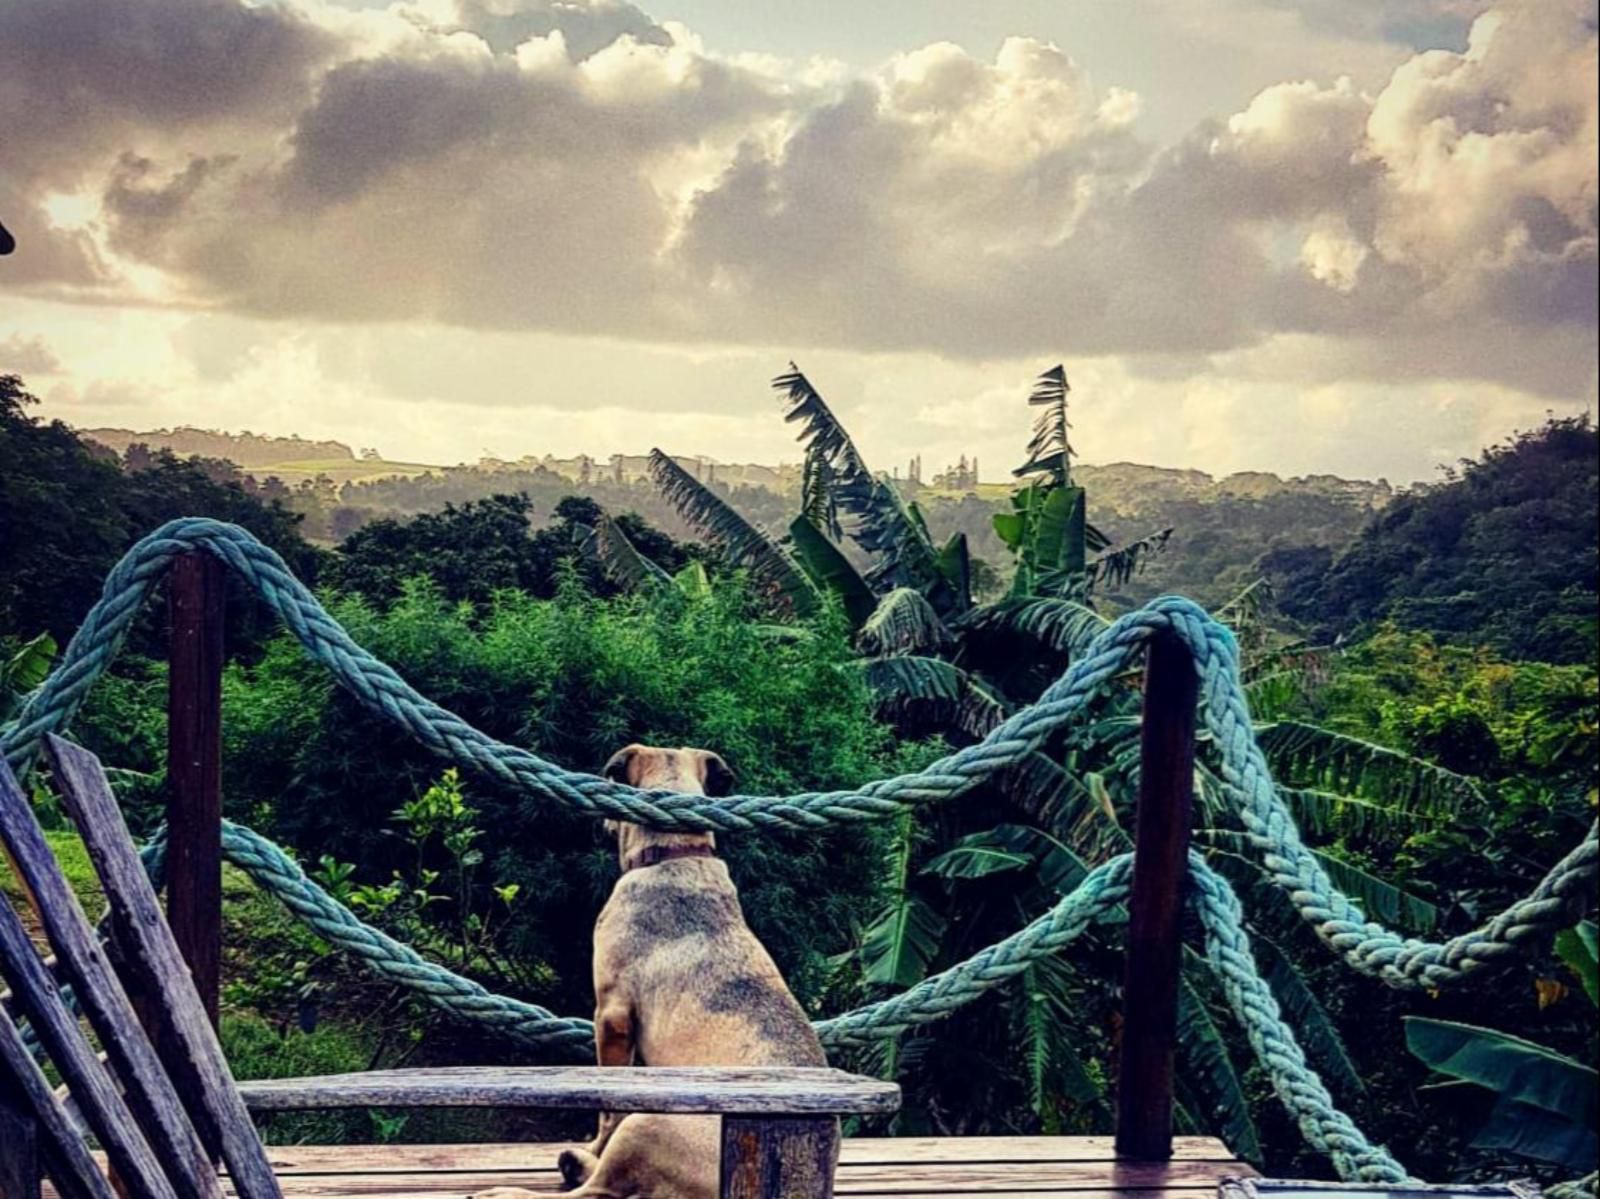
(1545, 1103)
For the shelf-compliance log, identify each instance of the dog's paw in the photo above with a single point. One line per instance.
(504, 1193)
(575, 1165)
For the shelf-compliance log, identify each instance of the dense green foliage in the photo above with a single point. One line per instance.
(573, 678)
(1502, 553)
(1436, 769)
(68, 510)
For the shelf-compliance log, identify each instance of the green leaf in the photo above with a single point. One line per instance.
(29, 665)
(1063, 625)
(897, 947)
(1010, 527)
(1115, 567)
(904, 623)
(907, 682)
(1577, 949)
(881, 522)
(741, 542)
(1323, 759)
(1528, 1131)
(831, 571)
(1380, 899)
(976, 856)
(620, 559)
(1050, 451)
(955, 564)
(1510, 1066)
(693, 581)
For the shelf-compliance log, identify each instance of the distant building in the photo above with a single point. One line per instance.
(963, 476)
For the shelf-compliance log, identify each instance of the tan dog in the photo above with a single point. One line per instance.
(679, 980)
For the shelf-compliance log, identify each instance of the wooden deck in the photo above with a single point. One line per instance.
(904, 1167)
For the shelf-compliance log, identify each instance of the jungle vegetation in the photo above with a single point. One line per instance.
(1439, 755)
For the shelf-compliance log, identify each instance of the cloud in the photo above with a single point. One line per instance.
(28, 357)
(580, 167)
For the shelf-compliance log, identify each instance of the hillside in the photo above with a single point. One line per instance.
(1501, 552)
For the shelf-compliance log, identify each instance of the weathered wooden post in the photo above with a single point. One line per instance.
(788, 1156)
(1155, 909)
(19, 1144)
(194, 768)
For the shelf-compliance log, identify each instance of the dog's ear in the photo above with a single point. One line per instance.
(617, 768)
(716, 776)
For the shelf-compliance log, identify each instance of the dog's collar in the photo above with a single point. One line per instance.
(651, 855)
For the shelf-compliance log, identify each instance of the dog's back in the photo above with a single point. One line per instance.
(706, 991)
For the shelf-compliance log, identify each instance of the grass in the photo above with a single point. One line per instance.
(340, 470)
(80, 875)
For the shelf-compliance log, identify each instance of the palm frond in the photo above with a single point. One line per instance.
(1323, 759)
(1050, 450)
(817, 501)
(1328, 814)
(1312, 1023)
(1379, 899)
(1210, 1070)
(620, 559)
(1046, 1008)
(903, 623)
(1115, 567)
(909, 686)
(1062, 625)
(879, 521)
(742, 543)
(898, 945)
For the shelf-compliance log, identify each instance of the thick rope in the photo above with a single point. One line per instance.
(1400, 962)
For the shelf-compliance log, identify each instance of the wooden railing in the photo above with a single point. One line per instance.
(1166, 789)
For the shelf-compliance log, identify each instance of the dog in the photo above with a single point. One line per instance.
(679, 980)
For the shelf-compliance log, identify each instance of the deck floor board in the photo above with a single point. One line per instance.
(891, 1168)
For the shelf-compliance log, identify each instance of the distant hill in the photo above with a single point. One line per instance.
(244, 450)
(1502, 552)
(1224, 526)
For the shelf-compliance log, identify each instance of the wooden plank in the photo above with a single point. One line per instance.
(168, 1159)
(778, 1156)
(427, 1188)
(288, 1160)
(955, 1178)
(194, 768)
(150, 951)
(1155, 907)
(800, 1090)
(61, 1147)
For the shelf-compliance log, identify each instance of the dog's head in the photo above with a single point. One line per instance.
(692, 771)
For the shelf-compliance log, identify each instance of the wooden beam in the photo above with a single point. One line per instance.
(1155, 909)
(744, 1090)
(194, 769)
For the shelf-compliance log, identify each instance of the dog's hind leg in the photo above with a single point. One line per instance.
(577, 1166)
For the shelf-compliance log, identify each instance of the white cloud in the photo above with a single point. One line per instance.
(472, 183)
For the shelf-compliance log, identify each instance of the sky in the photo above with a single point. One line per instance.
(1302, 236)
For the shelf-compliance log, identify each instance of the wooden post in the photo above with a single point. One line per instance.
(789, 1156)
(19, 1146)
(194, 769)
(1155, 909)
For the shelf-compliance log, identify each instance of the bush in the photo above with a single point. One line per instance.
(572, 678)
